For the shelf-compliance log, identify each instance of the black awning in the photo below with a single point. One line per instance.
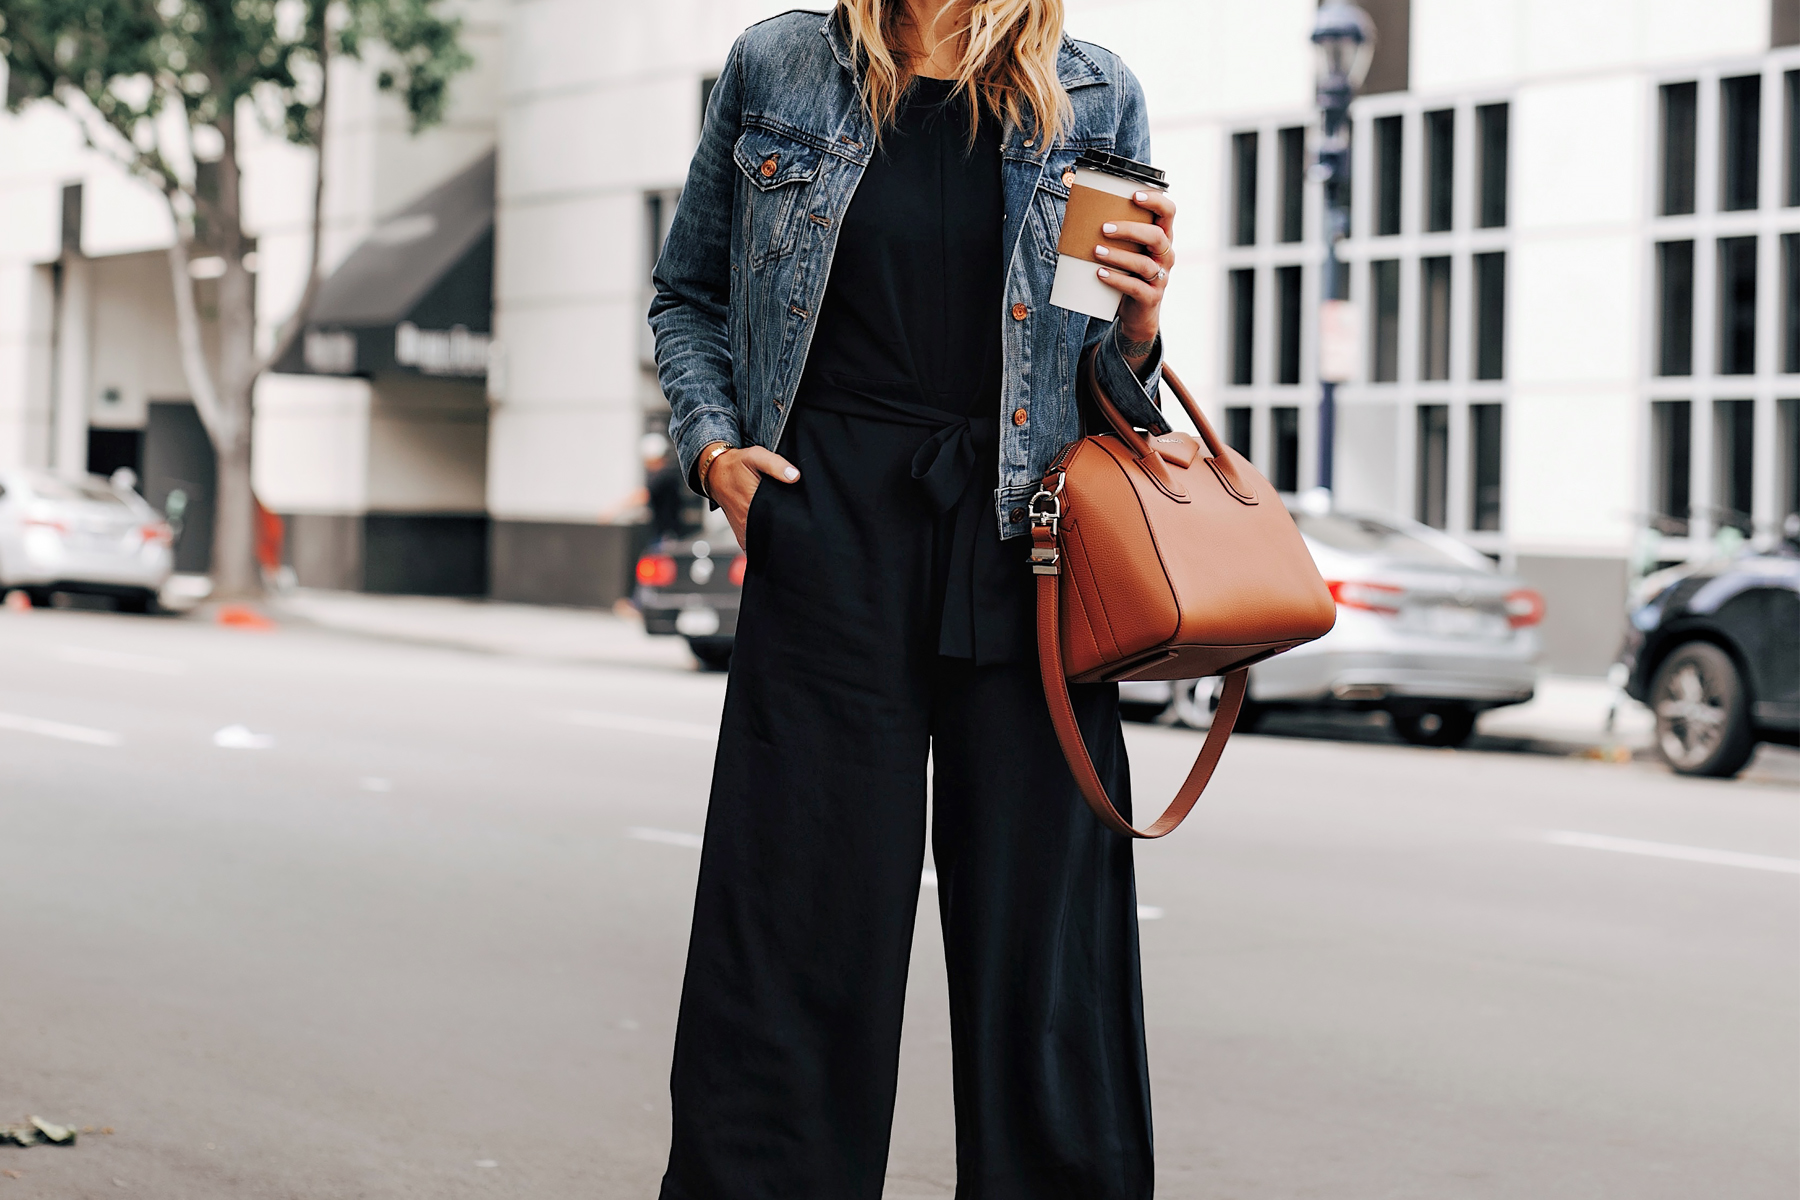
(417, 295)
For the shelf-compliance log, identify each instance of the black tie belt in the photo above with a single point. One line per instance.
(983, 577)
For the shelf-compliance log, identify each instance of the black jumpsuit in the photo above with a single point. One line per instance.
(883, 618)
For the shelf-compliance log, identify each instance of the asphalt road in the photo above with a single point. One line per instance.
(416, 929)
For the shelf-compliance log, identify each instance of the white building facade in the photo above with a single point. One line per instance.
(1575, 252)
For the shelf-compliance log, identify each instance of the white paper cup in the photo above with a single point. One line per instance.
(1078, 286)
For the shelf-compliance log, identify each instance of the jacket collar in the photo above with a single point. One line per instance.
(1073, 67)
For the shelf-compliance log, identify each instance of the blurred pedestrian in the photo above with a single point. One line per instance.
(853, 303)
(664, 489)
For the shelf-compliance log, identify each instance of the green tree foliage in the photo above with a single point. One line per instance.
(160, 86)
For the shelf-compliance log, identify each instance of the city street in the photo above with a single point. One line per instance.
(306, 914)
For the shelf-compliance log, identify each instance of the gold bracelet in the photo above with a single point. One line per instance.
(704, 469)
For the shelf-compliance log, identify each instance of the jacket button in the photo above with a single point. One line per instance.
(1016, 515)
(1020, 416)
(1020, 312)
(768, 167)
(1068, 179)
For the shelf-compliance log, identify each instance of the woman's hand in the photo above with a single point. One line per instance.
(734, 476)
(1141, 277)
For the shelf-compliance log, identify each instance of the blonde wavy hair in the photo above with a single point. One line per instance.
(1008, 61)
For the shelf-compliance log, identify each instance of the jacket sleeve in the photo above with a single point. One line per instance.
(690, 313)
(1136, 398)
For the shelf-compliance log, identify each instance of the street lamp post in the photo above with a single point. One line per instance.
(1343, 38)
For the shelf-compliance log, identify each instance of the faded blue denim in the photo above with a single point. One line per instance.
(743, 272)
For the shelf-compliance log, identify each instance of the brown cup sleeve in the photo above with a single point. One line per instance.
(1088, 209)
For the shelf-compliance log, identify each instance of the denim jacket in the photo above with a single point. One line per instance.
(742, 273)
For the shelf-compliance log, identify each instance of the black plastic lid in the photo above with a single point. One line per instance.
(1118, 164)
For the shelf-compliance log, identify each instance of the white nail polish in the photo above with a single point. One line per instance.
(1101, 250)
(1109, 227)
(790, 474)
(1104, 273)
(1141, 197)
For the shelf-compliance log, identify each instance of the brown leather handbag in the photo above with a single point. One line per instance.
(1180, 562)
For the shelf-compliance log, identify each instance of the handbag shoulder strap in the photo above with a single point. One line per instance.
(1068, 733)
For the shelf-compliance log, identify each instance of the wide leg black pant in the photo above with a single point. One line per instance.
(789, 1030)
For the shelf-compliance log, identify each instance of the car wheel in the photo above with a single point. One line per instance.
(1449, 726)
(139, 602)
(714, 653)
(1702, 718)
(1195, 700)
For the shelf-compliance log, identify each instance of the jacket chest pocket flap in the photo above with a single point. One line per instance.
(778, 168)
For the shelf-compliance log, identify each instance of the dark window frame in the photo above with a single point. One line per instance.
(1241, 299)
(1439, 210)
(1675, 308)
(1434, 318)
(1487, 447)
(1240, 429)
(1678, 147)
(1740, 143)
(1492, 140)
(1290, 150)
(1734, 464)
(1737, 283)
(1488, 293)
(1389, 175)
(1288, 285)
(1284, 447)
(1431, 466)
(1384, 325)
(1671, 466)
(1243, 187)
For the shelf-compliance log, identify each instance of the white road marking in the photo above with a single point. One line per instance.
(118, 660)
(623, 723)
(56, 729)
(1699, 854)
(237, 737)
(668, 837)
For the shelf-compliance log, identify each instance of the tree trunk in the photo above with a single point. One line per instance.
(236, 573)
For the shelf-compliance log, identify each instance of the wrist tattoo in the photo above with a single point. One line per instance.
(1131, 349)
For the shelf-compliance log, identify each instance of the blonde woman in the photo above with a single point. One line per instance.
(854, 331)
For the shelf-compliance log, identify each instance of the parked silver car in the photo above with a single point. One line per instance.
(1427, 629)
(81, 536)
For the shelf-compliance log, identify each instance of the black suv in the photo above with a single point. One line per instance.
(1716, 656)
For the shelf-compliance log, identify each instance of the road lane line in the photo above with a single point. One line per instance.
(56, 729)
(1699, 854)
(668, 837)
(118, 660)
(623, 723)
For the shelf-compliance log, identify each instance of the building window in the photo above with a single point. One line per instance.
(1675, 308)
(1790, 302)
(1490, 126)
(1243, 189)
(1670, 465)
(1791, 192)
(1284, 429)
(1787, 430)
(1433, 465)
(1237, 429)
(1734, 447)
(1243, 324)
(1287, 340)
(1740, 111)
(1389, 138)
(1484, 467)
(1490, 315)
(1292, 148)
(1737, 306)
(1384, 350)
(1680, 128)
(1434, 318)
(1440, 168)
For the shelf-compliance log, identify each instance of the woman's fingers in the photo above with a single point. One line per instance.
(1141, 265)
(1144, 293)
(1153, 238)
(769, 463)
(1163, 205)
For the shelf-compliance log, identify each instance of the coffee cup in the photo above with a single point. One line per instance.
(1101, 191)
